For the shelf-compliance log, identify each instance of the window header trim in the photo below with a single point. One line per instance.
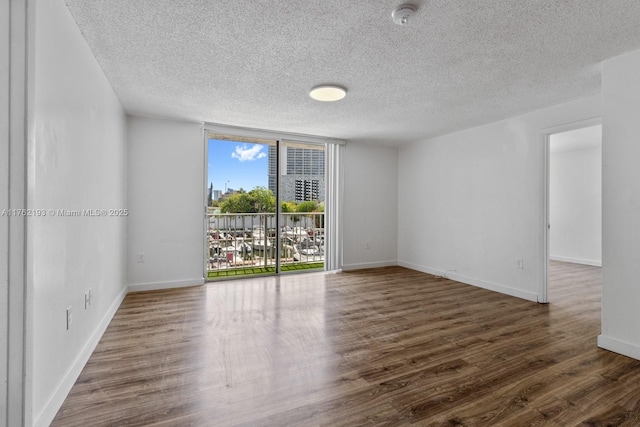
(264, 136)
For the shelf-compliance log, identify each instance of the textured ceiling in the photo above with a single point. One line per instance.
(457, 64)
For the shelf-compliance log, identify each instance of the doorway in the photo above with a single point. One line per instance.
(574, 200)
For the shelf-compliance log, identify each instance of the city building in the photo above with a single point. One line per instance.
(301, 173)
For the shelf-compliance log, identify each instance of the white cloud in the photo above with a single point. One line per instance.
(246, 153)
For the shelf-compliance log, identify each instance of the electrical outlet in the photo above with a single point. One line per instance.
(69, 317)
(140, 256)
(520, 263)
(367, 245)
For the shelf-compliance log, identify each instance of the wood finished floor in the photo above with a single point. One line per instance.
(385, 346)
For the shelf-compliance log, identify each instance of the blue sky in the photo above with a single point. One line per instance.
(243, 165)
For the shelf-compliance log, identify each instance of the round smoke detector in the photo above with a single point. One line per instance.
(402, 13)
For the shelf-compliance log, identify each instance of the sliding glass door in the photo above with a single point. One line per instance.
(302, 203)
(241, 209)
(266, 201)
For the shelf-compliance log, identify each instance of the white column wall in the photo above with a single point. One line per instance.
(5, 119)
(621, 205)
(370, 206)
(166, 204)
(16, 119)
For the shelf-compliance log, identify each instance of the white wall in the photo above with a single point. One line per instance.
(166, 204)
(575, 205)
(4, 202)
(470, 202)
(621, 205)
(370, 206)
(16, 82)
(77, 160)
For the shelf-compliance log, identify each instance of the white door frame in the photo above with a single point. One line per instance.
(545, 137)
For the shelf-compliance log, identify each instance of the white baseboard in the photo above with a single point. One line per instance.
(155, 286)
(55, 402)
(421, 268)
(591, 262)
(496, 287)
(619, 346)
(351, 267)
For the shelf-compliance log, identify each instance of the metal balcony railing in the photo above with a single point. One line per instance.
(247, 243)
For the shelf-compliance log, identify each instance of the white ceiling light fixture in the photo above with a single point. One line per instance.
(328, 93)
(402, 13)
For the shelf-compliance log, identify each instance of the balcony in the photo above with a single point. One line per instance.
(241, 244)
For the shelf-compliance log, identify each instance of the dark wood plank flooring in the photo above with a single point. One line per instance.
(385, 346)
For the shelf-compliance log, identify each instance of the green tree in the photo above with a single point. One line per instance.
(263, 199)
(258, 200)
(236, 203)
(308, 206)
(288, 207)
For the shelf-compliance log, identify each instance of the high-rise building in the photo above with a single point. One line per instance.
(301, 173)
